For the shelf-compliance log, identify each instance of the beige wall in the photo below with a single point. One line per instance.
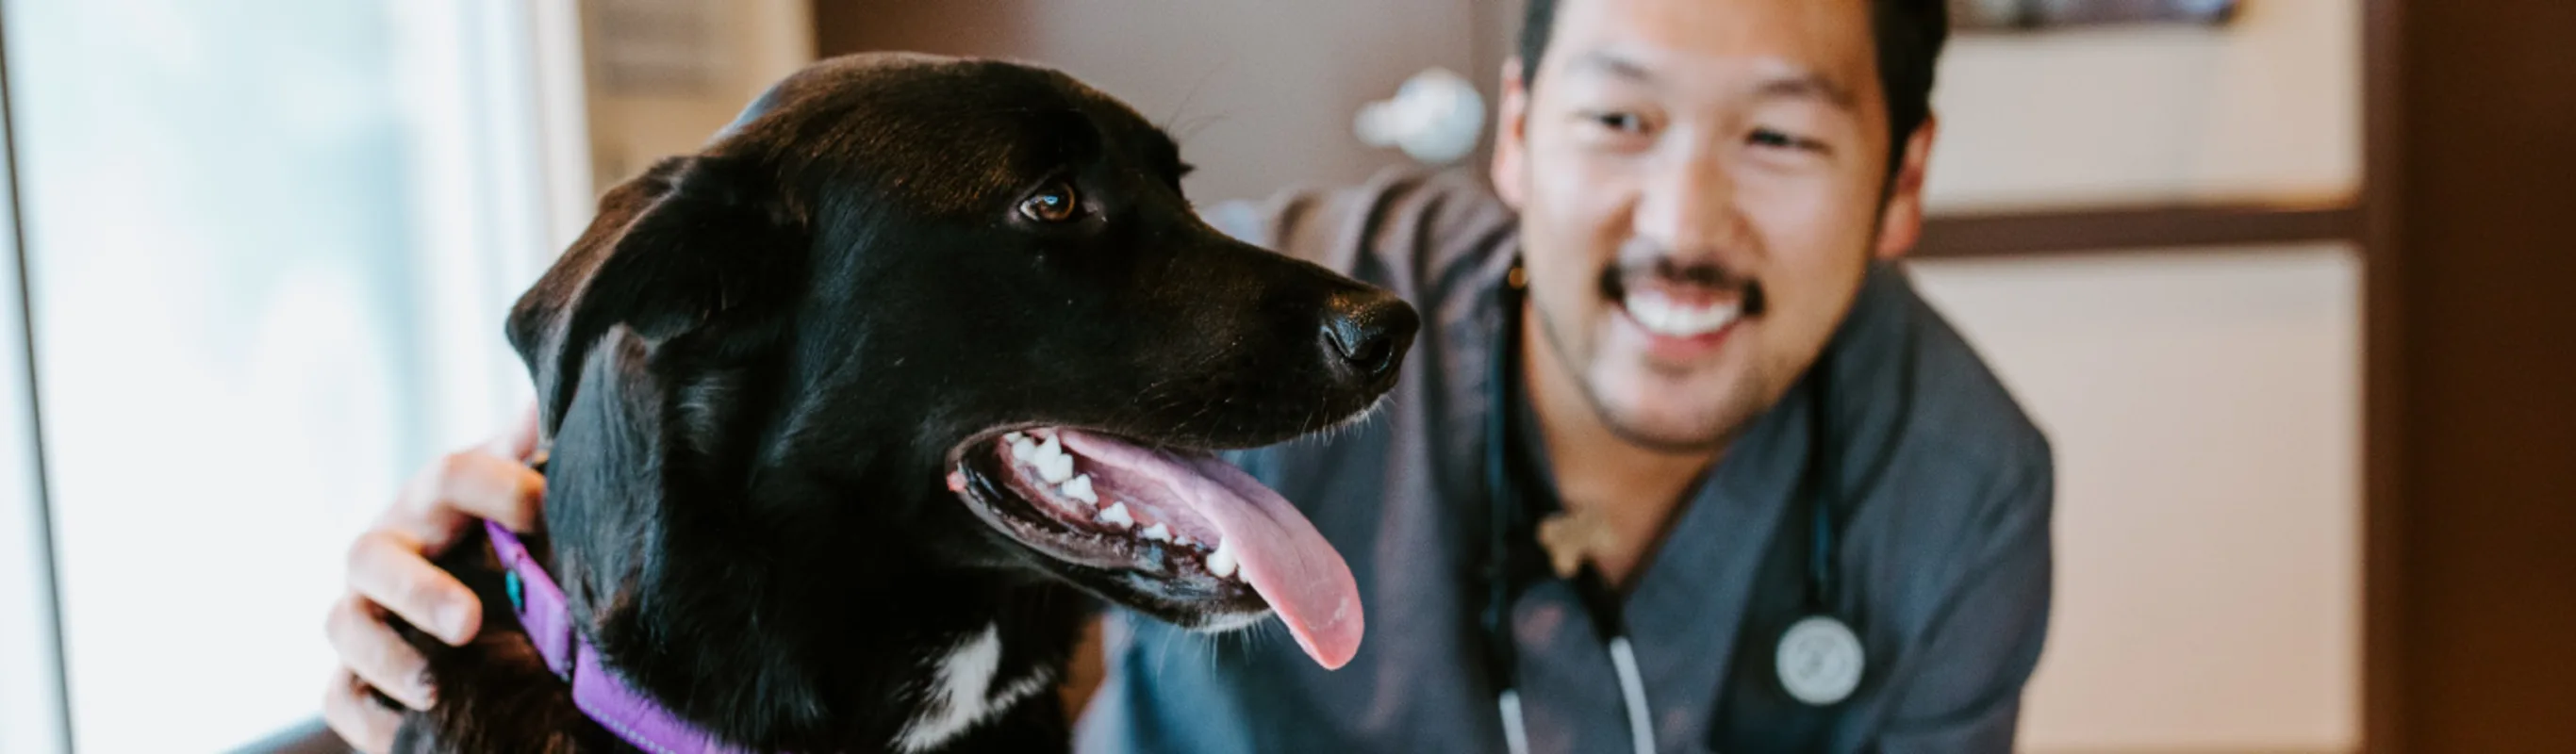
(2204, 409)
(1260, 93)
(2205, 404)
(753, 43)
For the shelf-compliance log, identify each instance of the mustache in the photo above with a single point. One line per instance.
(1619, 276)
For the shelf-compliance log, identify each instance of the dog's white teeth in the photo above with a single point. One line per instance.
(1054, 469)
(1158, 532)
(1185, 541)
(1079, 488)
(1054, 465)
(1116, 516)
(1222, 562)
(1023, 449)
(1013, 437)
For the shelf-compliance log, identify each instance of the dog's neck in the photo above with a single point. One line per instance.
(790, 627)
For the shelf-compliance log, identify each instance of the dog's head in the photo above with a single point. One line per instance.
(926, 313)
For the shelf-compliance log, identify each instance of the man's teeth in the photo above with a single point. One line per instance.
(1116, 516)
(1222, 562)
(1662, 316)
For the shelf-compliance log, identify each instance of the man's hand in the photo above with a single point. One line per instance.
(390, 574)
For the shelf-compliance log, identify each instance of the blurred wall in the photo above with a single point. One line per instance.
(2204, 409)
(2206, 404)
(665, 74)
(1259, 93)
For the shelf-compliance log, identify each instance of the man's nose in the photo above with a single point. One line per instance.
(1687, 209)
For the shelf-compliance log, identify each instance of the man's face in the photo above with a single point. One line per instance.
(1700, 184)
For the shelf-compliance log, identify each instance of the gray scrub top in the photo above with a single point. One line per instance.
(1943, 557)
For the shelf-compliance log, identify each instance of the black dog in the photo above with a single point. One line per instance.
(850, 410)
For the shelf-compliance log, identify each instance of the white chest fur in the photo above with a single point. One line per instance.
(963, 692)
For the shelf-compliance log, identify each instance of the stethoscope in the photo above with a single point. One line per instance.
(1818, 658)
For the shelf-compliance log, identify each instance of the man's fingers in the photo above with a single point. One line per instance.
(390, 570)
(356, 717)
(390, 573)
(377, 655)
(440, 504)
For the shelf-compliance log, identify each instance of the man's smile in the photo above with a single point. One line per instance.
(1679, 313)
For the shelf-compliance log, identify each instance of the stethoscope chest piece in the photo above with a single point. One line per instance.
(1820, 660)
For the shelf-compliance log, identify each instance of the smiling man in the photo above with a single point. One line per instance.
(1682, 463)
(1714, 478)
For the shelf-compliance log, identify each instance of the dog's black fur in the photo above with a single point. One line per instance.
(759, 362)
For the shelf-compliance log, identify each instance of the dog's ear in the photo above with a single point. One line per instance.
(687, 243)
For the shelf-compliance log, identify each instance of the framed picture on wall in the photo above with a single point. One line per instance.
(2046, 14)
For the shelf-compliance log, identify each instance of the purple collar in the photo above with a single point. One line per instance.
(599, 692)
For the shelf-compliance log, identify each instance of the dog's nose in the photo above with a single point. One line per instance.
(1369, 331)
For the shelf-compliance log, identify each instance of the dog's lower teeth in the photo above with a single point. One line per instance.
(1185, 541)
(1079, 488)
(1116, 516)
(1221, 562)
(1158, 532)
(1024, 449)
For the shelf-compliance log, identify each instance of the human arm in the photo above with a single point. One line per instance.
(1962, 689)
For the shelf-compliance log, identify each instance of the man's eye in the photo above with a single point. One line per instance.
(1623, 122)
(1052, 203)
(1764, 137)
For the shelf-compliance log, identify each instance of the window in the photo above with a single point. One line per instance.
(268, 248)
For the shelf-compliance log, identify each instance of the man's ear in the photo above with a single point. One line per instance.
(1900, 222)
(1511, 136)
(690, 241)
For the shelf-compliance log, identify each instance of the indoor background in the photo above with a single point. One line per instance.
(2288, 290)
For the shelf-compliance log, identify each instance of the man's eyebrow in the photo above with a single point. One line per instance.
(1807, 85)
(1613, 64)
(1794, 83)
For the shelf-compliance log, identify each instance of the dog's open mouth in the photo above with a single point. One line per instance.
(1194, 522)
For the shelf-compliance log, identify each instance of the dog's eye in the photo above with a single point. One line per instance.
(1053, 203)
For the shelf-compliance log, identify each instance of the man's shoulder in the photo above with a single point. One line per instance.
(1968, 479)
(1404, 228)
(1962, 417)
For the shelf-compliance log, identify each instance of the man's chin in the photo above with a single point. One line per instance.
(1675, 426)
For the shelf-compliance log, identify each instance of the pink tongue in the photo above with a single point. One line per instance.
(1282, 556)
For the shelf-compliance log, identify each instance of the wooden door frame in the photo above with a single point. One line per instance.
(2383, 575)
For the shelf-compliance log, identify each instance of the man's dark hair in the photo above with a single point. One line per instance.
(1909, 34)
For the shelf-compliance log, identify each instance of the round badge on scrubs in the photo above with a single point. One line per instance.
(1819, 660)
